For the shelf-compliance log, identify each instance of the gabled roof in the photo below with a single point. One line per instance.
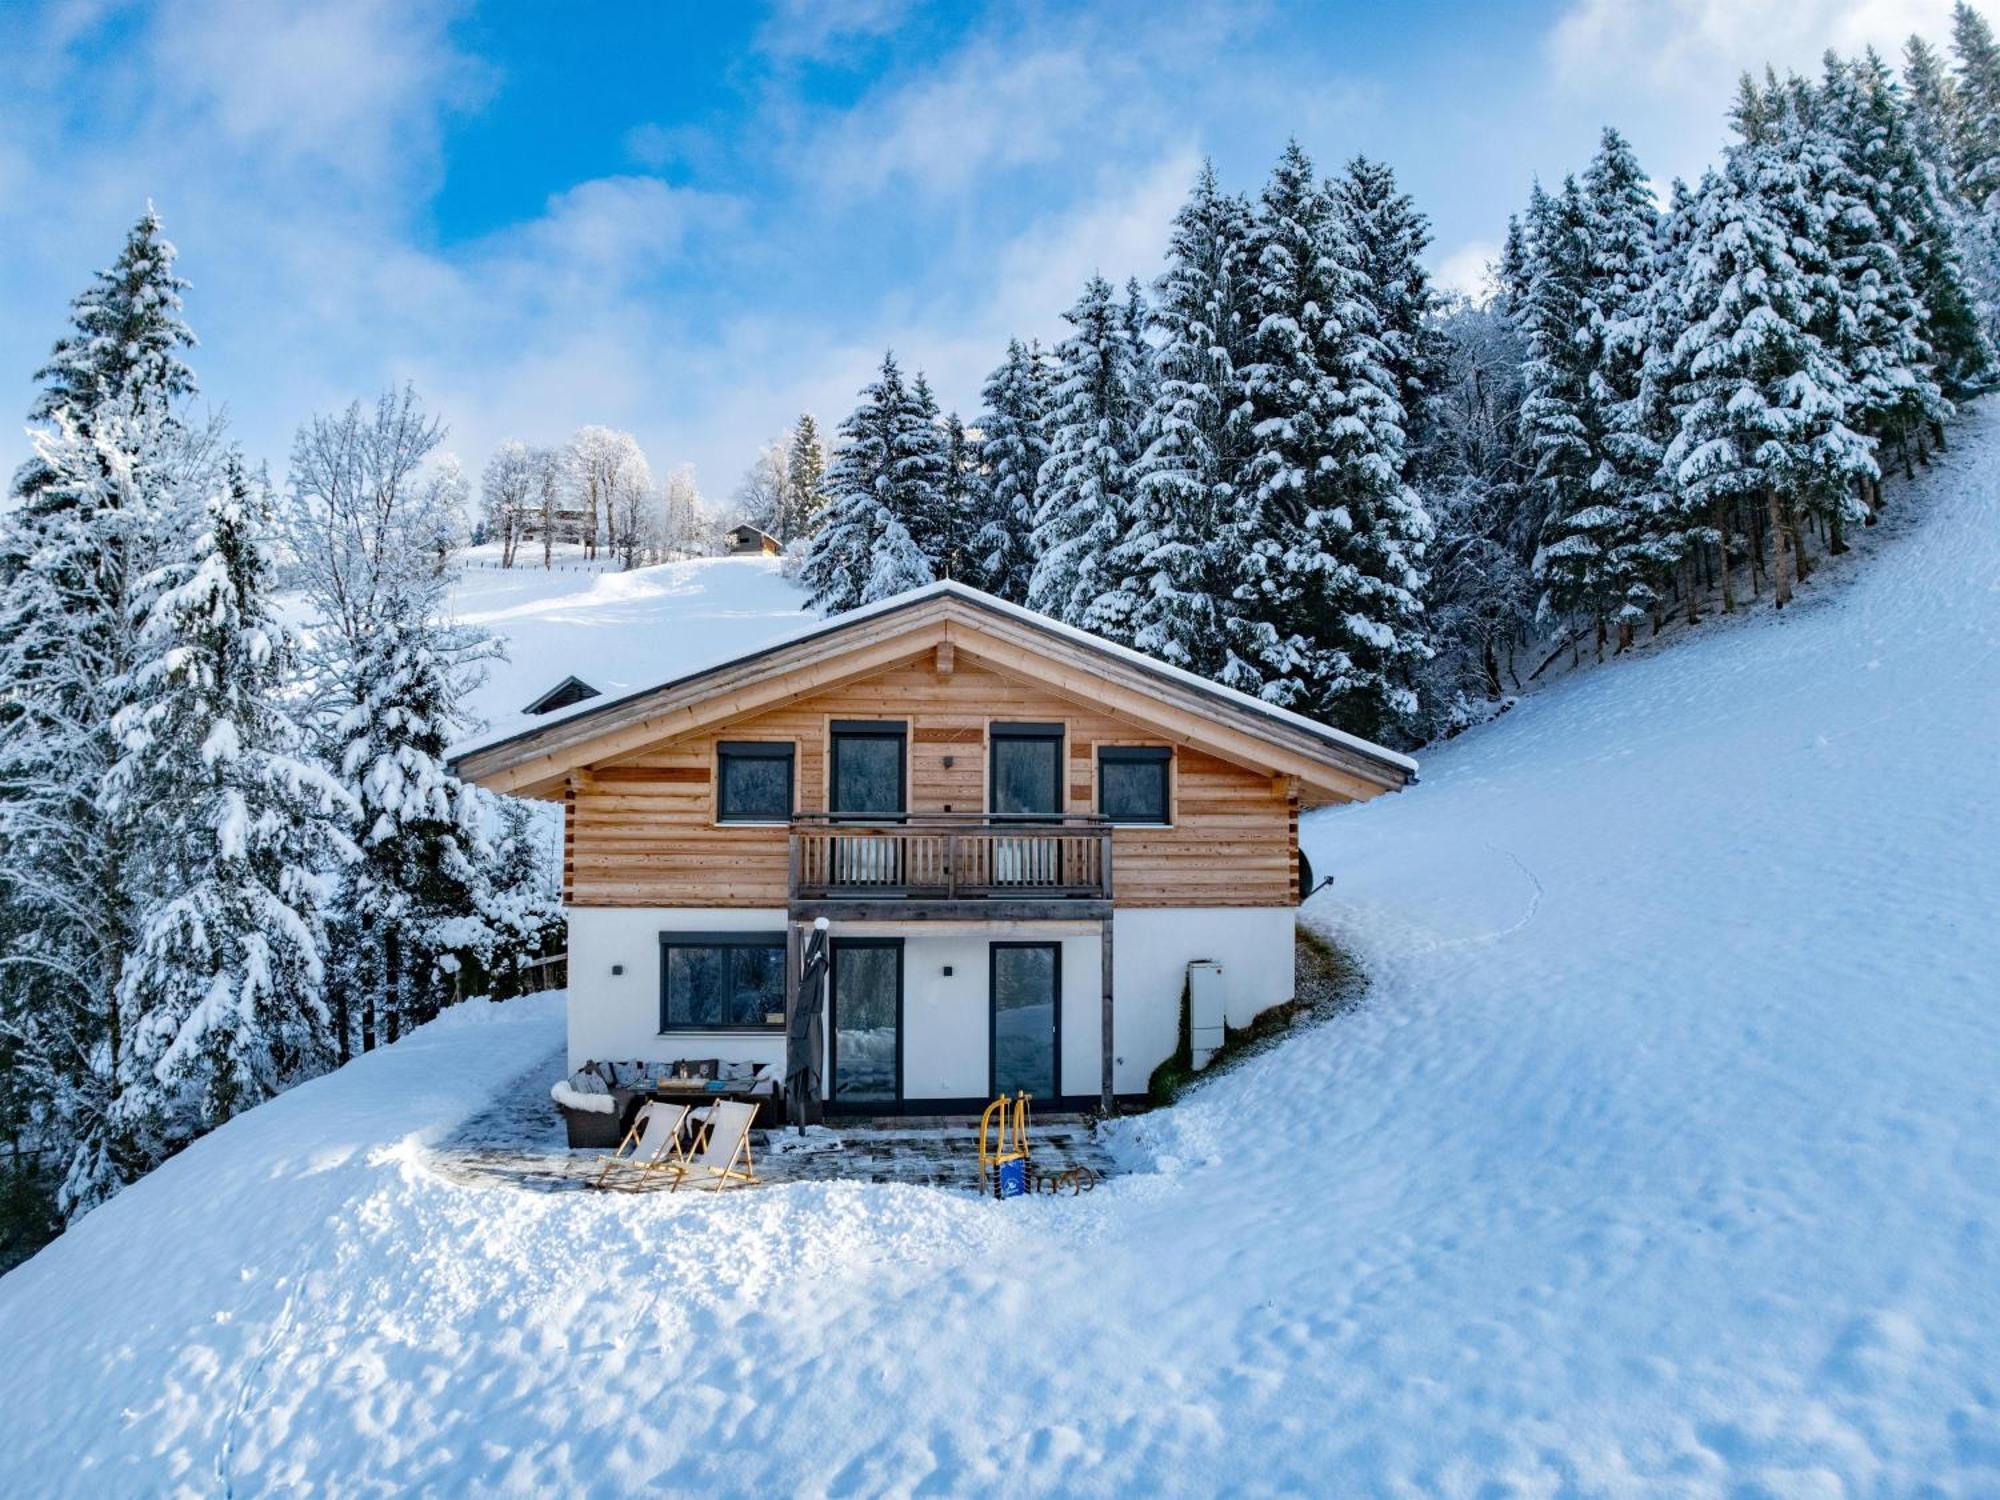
(1329, 764)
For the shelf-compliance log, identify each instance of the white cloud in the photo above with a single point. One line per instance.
(612, 229)
(987, 111)
(821, 30)
(1679, 47)
(1468, 269)
(351, 89)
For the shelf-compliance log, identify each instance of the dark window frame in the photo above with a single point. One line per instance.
(997, 731)
(1160, 755)
(993, 1014)
(869, 729)
(834, 1103)
(785, 750)
(748, 938)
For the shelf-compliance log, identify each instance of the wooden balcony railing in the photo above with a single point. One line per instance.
(938, 858)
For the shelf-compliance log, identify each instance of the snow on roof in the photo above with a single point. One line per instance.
(950, 588)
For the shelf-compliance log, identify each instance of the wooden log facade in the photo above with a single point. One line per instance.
(642, 829)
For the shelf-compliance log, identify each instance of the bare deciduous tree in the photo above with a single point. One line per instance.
(509, 489)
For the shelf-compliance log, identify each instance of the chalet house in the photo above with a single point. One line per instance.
(930, 850)
(748, 541)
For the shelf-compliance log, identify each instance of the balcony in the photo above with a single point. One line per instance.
(937, 864)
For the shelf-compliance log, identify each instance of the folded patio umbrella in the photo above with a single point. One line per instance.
(805, 1041)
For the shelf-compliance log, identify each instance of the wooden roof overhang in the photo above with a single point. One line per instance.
(1326, 765)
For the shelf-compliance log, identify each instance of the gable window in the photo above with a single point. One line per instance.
(753, 781)
(1025, 770)
(721, 981)
(867, 772)
(1132, 783)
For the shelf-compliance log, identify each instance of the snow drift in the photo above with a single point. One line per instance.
(1660, 1159)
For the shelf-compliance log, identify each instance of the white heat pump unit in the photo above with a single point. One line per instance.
(1208, 1003)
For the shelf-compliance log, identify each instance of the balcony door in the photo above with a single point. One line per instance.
(1024, 785)
(867, 784)
(1026, 989)
(867, 1024)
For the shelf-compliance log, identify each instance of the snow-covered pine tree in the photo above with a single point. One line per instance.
(1933, 103)
(1976, 100)
(1881, 324)
(1390, 236)
(865, 551)
(237, 839)
(368, 528)
(959, 492)
(1555, 312)
(1913, 199)
(920, 476)
(805, 481)
(1331, 600)
(1138, 318)
(1761, 396)
(1691, 523)
(520, 915)
(1604, 559)
(1012, 451)
(1195, 437)
(93, 506)
(1937, 127)
(1086, 484)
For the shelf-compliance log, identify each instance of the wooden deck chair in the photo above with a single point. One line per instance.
(722, 1154)
(654, 1142)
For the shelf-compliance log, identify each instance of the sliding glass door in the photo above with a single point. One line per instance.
(867, 1022)
(1027, 1018)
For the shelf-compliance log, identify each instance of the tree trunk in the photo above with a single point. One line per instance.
(1720, 516)
(1795, 534)
(343, 1039)
(392, 981)
(1836, 543)
(1780, 583)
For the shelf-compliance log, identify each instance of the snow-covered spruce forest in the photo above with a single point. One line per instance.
(232, 856)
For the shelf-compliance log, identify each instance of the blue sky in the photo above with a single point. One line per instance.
(695, 221)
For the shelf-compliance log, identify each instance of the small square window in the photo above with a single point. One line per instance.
(753, 782)
(1132, 783)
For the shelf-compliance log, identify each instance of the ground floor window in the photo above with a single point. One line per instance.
(719, 981)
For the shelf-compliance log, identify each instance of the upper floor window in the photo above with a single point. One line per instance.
(753, 781)
(1025, 770)
(866, 776)
(1132, 783)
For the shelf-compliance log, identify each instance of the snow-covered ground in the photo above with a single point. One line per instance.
(616, 630)
(1663, 1158)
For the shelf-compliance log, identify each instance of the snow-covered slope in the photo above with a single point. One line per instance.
(1662, 1159)
(615, 630)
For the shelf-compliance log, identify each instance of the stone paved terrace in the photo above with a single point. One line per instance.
(519, 1141)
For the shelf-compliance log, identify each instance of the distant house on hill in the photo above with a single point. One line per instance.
(879, 854)
(747, 541)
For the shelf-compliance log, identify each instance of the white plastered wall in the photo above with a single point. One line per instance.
(945, 1017)
(618, 1015)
